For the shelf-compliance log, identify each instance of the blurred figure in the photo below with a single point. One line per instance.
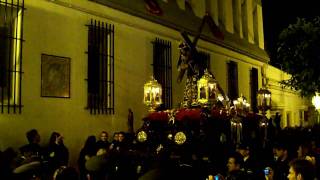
(58, 154)
(130, 121)
(281, 167)
(301, 169)
(115, 140)
(103, 142)
(277, 121)
(86, 153)
(98, 166)
(250, 165)
(32, 150)
(304, 152)
(7, 163)
(234, 165)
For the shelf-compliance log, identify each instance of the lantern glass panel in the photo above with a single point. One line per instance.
(152, 94)
(264, 99)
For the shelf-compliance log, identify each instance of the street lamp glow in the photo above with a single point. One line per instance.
(316, 101)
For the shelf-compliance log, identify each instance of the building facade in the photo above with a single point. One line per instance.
(67, 32)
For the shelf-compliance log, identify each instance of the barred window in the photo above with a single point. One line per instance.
(100, 68)
(232, 70)
(11, 38)
(162, 69)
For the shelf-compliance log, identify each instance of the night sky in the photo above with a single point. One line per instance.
(278, 14)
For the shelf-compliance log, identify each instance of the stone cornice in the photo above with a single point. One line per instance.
(175, 18)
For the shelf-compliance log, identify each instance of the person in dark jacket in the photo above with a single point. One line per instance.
(57, 153)
(89, 150)
(103, 142)
(281, 167)
(235, 168)
(301, 169)
(32, 150)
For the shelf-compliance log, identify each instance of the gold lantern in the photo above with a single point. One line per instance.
(316, 101)
(264, 100)
(207, 89)
(241, 104)
(152, 94)
(264, 104)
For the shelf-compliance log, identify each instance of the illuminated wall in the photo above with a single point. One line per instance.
(58, 28)
(286, 101)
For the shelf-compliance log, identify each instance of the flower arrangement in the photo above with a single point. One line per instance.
(158, 116)
(191, 114)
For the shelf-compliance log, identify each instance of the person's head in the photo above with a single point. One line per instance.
(104, 136)
(56, 138)
(33, 136)
(281, 151)
(301, 169)
(116, 136)
(304, 149)
(235, 162)
(244, 150)
(90, 142)
(121, 136)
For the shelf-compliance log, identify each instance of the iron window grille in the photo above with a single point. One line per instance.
(100, 68)
(11, 42)
(232, 70)
(162, 69)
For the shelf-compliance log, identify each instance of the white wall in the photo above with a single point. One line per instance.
(58, 28)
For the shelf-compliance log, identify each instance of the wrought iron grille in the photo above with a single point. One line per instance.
(233, 91)
(162, 69)
(254, 89)
(100, 68)
(11, 41)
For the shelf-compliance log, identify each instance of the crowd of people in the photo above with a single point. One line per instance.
(292, 154)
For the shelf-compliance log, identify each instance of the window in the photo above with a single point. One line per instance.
(100, 68)
(162, 69)
(221, 13)
(232, 71)
(255, 21)
(244, 16)
(236, 16)
(212, 9)
(11, 38)
(254, 89)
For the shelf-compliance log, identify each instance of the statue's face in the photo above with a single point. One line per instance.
(183, 47)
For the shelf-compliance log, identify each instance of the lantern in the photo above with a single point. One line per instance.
(236, 127)
(241, 104)
(207, 89)
(152, 94)
(264, 100)
(264, 104)
(316, 101)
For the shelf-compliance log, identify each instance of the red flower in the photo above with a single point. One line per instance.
(217, 113)
(158, 116)
(191, 114)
